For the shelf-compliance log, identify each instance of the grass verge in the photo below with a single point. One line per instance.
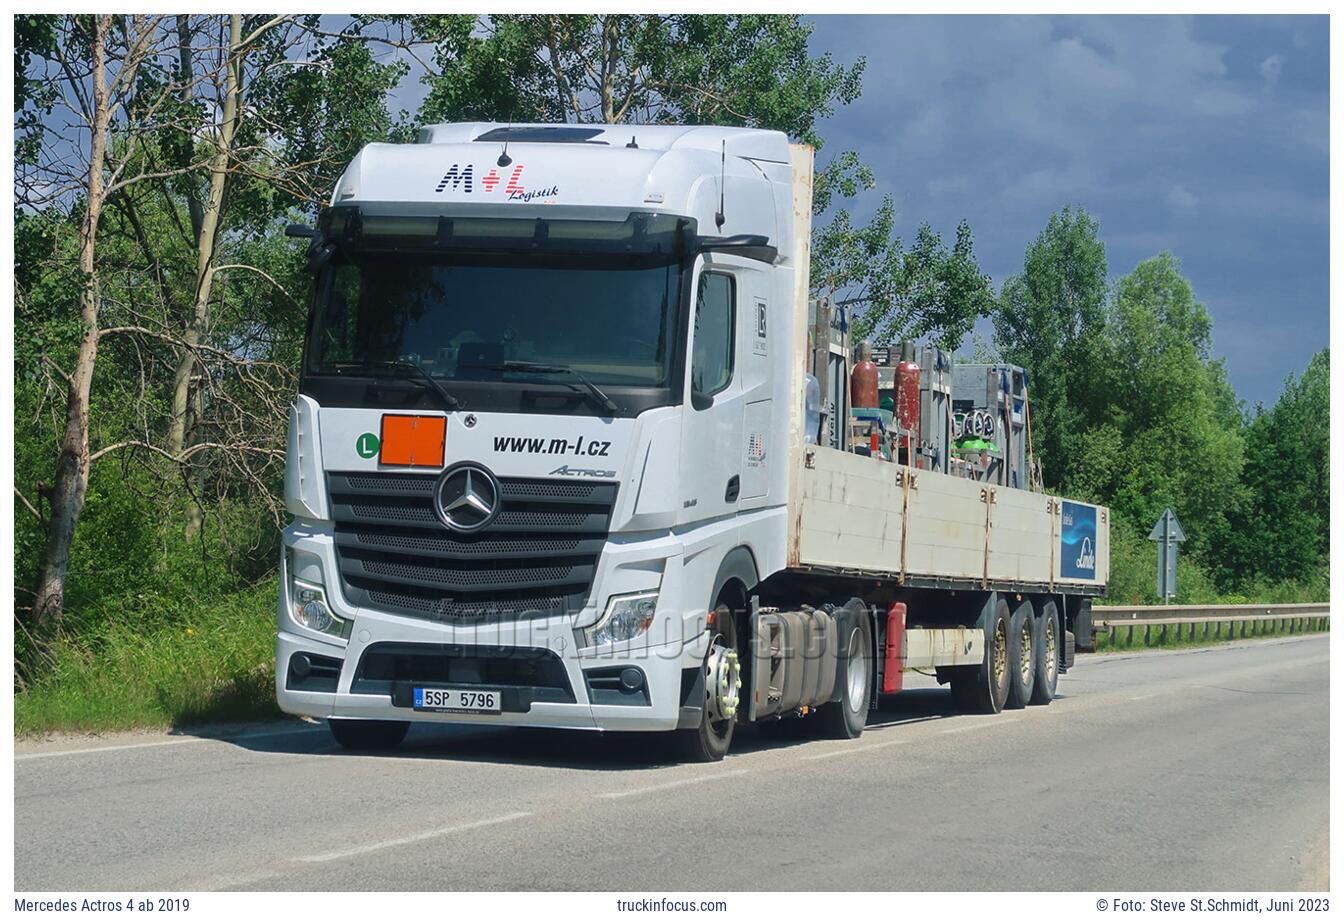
(1179, 636)
(211, 662)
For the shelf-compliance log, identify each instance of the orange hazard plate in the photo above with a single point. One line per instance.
(413, 440)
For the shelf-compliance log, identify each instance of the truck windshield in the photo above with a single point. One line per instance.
(465, 316)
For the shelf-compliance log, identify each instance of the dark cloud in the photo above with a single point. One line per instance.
(1205, 136)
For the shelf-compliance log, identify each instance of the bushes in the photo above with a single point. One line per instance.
(157, 661)
(1134, 578)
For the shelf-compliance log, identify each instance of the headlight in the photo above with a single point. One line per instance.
(627, 617)
(308, 608)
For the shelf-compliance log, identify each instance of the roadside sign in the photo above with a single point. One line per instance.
(1166, 533)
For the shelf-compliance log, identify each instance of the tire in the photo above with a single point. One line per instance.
(846, 716)
(368, 735)
(1022, 647)
(1047, 655)
(984, 688)
(711, 739)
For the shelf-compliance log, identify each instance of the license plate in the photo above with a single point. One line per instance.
(434, 699)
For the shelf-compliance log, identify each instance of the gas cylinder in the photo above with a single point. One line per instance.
(863, 379)
(907, 390)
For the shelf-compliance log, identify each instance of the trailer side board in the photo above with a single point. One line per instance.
(858, 514)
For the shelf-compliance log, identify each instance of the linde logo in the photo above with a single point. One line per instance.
(1087, 556)
(463, 178)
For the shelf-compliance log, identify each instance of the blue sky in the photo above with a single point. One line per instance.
(1205, 136)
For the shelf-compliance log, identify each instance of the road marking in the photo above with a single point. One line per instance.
(856, 749)
(170, 741)
(971, 728)
(674, 785)
(415, 838)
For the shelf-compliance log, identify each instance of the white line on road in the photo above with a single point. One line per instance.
(415, 838)
(970, 728)
(674, 785)
(170, 741)
(856, 749)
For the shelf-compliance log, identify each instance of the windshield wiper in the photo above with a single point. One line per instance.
(528, 367)
(422, 376)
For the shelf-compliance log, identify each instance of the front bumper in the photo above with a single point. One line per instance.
(667, 656)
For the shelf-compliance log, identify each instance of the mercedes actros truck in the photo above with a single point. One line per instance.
(573, 447)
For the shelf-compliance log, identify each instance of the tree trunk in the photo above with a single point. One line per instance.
(199, 322)
(72, 466)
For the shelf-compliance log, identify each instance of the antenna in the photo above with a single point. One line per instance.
(723, 157)
(504, 158)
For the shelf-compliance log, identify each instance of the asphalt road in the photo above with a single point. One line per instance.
(1191, 770)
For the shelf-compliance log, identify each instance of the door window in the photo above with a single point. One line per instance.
(715, 322)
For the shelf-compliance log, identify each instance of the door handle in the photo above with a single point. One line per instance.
(734, 487)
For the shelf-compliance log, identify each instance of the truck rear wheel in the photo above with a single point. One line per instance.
(1022, 648)
(367, 734)
(710, 740)
(984, 687)
(846, 717)
(1047, 655)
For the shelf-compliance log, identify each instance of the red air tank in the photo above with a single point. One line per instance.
(863, 380)
(907, 390)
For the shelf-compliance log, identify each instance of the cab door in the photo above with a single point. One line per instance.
(711, 453)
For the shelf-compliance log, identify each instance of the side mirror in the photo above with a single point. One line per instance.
(302, 231)
(319, 254)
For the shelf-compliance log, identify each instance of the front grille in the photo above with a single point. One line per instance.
(536, 558)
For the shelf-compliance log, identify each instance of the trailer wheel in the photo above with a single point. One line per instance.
(1022, 647)
(367, 734)
(710, 740)
(984, 688)
(1047, 655)
(846, 717)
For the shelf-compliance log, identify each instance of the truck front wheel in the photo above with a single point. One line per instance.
(710, 740)
(367, 734)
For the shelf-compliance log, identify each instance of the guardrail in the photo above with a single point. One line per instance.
(1251, 619)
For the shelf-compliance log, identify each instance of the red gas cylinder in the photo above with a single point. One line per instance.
(863, 380)
(907, 390)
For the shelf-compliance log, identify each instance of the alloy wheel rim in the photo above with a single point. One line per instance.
(855, 672)
(1025, 664)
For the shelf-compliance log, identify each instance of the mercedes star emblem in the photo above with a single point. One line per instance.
(466, 497)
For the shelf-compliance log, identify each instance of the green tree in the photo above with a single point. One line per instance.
(1048, 320)
(898, 293)
(751, 70)
(1167, 432)
(1282, 531)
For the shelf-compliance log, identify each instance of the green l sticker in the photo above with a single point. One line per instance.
(366, 445)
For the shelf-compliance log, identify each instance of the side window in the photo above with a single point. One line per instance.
(715, 322)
